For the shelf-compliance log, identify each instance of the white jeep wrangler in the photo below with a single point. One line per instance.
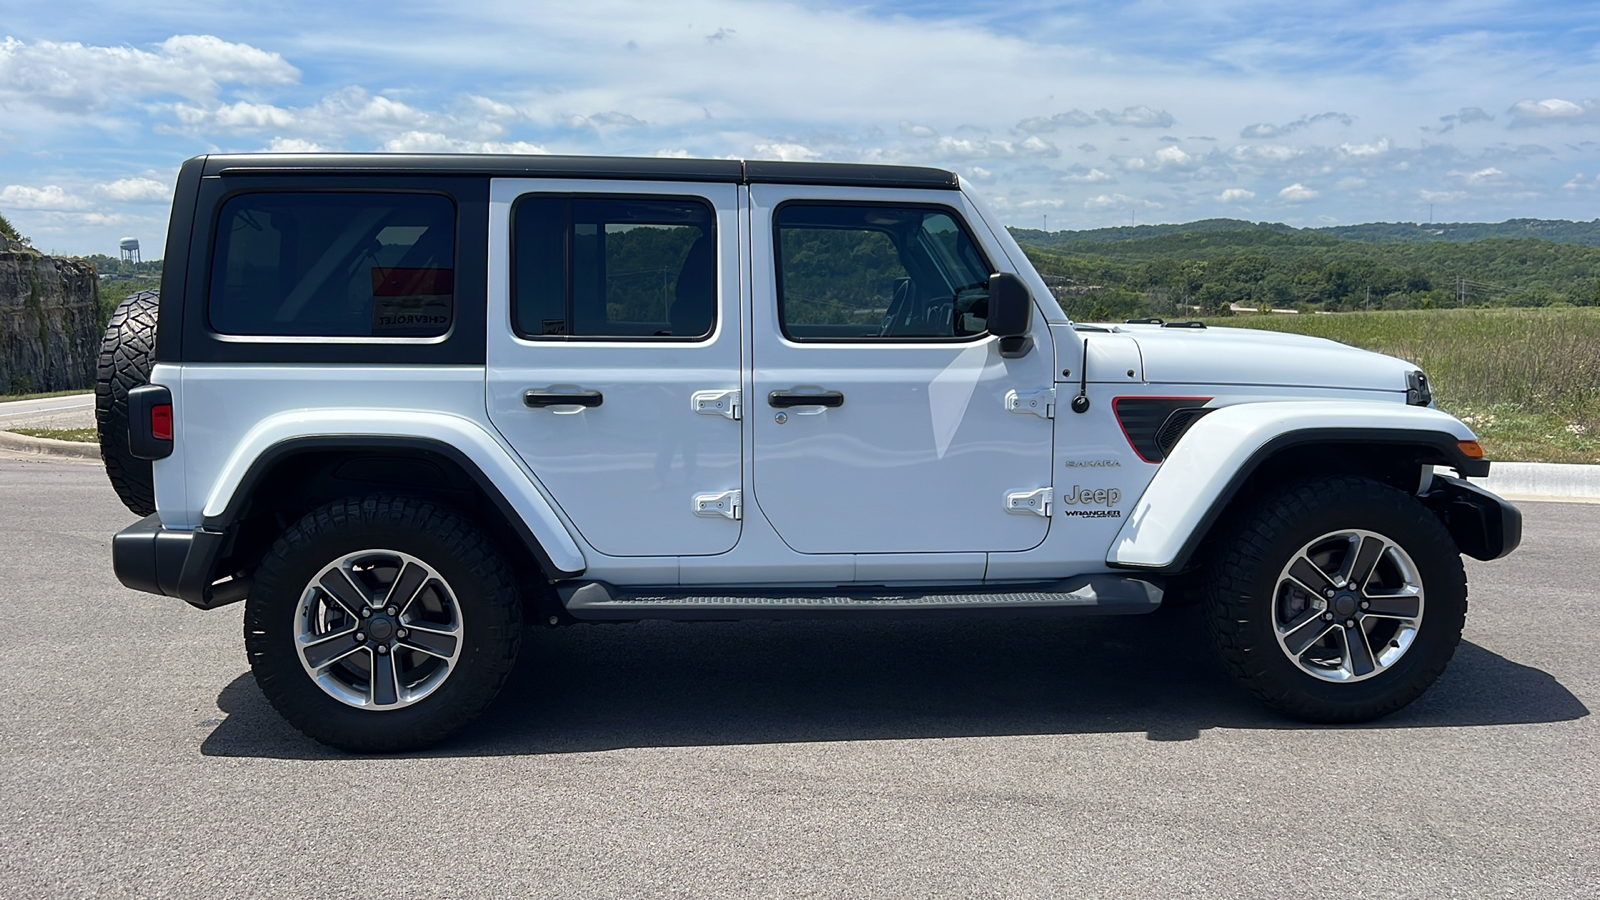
(401, 404)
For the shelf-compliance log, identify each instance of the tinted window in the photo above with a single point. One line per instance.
(615, 267)
(870, 271)
(334, 265)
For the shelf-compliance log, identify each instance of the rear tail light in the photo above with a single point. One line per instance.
(161, 422)
(150, 422)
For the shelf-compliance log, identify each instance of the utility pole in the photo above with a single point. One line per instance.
(1461, 291)
(1369, 298)
(1046, 223)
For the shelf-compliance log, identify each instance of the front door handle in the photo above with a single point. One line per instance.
(791, 399)
(541, 399)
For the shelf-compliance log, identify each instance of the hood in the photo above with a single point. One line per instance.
(1246, 356)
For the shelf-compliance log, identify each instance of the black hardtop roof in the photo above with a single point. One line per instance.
(730, 171)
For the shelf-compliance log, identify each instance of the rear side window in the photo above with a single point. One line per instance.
(371, 265)
(628, 268)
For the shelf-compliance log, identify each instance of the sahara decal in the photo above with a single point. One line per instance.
(1093, 463)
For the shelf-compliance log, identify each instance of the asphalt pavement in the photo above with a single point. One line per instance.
(1005, 758)
(71, 411)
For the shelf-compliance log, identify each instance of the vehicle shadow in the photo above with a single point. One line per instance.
(659, 684)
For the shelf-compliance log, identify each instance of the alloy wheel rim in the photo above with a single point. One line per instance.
(378, 629)
(1348, 606)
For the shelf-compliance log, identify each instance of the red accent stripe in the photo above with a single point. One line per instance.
(413, 282)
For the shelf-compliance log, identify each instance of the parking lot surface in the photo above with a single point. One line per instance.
(1010, 758)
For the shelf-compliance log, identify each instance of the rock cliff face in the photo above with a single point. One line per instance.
(49, 322)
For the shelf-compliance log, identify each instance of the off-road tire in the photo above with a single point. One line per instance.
(1243, 579)
(491, 614)
(126, 354)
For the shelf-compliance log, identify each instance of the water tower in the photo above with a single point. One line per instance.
(130, 249)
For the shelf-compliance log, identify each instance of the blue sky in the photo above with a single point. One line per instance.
(1093, 114)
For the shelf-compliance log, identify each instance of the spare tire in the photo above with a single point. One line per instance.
(126, 355)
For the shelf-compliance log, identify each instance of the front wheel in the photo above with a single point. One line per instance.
(1337, 600)
(382, 624)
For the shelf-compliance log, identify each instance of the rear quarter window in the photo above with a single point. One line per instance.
(334, 264)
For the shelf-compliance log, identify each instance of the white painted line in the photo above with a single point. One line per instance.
(38, 410)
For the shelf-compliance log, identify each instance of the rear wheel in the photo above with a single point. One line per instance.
(382, 624)
(1337, 600)
(126, 355)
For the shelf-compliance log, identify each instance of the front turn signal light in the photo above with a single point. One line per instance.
(1470, 449)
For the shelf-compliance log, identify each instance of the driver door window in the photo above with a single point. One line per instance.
(877, 272)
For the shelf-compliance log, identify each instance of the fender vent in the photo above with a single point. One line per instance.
(1174, 427)
(1153, 425)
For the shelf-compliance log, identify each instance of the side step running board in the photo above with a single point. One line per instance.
(1107, 594)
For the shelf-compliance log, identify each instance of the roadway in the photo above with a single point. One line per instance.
(1026, 758)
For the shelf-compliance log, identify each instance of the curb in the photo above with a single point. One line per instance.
(1543, 481)
(35, 446)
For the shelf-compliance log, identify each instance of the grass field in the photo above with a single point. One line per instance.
(1526, 380)
(7, 398)
(86, 435)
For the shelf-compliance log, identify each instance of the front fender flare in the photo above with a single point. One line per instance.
(1219, 452)
(488, 462)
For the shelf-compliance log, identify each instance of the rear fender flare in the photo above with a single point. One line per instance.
(510, 486)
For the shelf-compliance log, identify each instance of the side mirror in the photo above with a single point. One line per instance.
(1010, 314)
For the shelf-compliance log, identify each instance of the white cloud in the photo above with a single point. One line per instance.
(1082, 175)
(1236, 195)
(912, 129)
(1441, 196)
(1173, 157)
(79, 78)
(1298, 193)
(235, 117)
(610, 119)
(786, 152)
(294, 145)
(1270, 154)
(434, 142)
(1265, 130)
(972, 148)
(136, 190)
(1490, 175)
(1539, 112)
(980, 175)
(50, 197)
(1034, 145)
(1042, 204)
(1076, 118)
(1364, 151)
(1137, 117)
(1116, 201)
(1581, 182)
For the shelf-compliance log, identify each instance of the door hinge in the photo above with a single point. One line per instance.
(1039, 403)
(1035, 502)
(726, 505)
(716, 403)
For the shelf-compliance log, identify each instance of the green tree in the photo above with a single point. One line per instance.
(9, 231)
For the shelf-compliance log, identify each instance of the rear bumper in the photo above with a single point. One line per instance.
(147, 557)
(1484, 526)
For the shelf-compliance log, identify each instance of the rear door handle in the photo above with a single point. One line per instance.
(542, 399)
(791, 399)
